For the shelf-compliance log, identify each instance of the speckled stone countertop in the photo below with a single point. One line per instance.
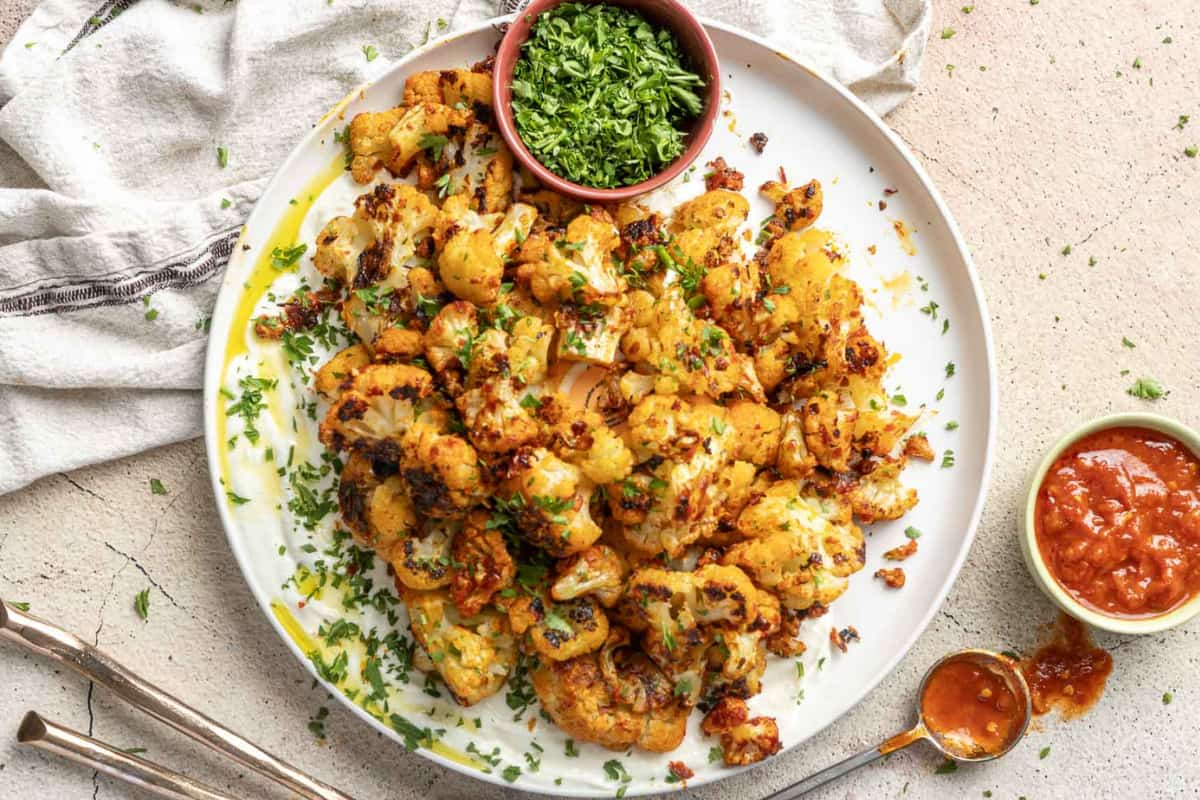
(1043, 125)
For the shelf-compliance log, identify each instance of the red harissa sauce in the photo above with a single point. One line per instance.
(970, 708)
(1118, 522)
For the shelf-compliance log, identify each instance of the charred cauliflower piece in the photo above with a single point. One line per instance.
(744, 740)
(802, 549)
(598, 571)
(617, 698)
(879, 494)
(578, 266)
(422, 561)
(450, 87)
(377, 511)
(680, 611)
(481, 565)
(441, 470)
(472, 654)
(471, 262)
(380, 406)
(337, 374)
(552, 499)
(560, 631)
(392, 138)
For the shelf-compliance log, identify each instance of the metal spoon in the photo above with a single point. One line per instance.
(995, 663)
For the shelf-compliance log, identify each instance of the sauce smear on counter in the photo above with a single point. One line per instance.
(1118, 522)
(970, 708)
(1068, 672)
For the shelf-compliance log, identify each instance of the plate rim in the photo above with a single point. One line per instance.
(214, 362)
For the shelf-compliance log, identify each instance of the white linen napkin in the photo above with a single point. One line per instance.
(117, 215)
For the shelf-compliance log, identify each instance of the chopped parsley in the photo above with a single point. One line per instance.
(286, 257)
(370, 52)
(947, 767)
(947, 459)
(571, 750)
(156, 486)
(511, 773)
(912, 532)
(947, 33)
(1146, 389)
(222, 157)
(1125, 341)
(435, 143)
(141, 603)
(1045, 751)
(715, 755)
(952, 425)
(250, 404)
(1167, 698)
(950, 369)
(612, 117)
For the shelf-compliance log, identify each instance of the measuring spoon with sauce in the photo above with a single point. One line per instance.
(973, 705)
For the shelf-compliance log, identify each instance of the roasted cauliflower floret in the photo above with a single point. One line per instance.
(559, 631)
(719, 209)
(759, 431)
(379, 407)
(879, 495)
(576, 267)
(450, 339)
(680, 611)
(529, 350)
(598, 571)
(795, 208)
(337, 374)
(583, 438)
(377, 511)
(393, 138)
(450, 87)
(628, 704)
(339, 245)
(495, 419)
(481, 564)
(828, 423)
(422, 561)
(472, 654)
(442, 471)
(802, 549)
(744, 740)
(552, 501)
(471, 262)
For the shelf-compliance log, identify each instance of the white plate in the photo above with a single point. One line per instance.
(816, 129)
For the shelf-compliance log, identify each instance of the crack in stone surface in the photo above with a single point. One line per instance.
(82, 488)
(138, 565)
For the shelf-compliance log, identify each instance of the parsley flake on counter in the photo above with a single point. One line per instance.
(947, 767)
(1191, 151)
(614, 117)
(316, 724)
(968, 9)
(141, 603)
(1066, 251)
(1183, 120)
(1045, 751)
(1125, 341)
(370, 52)
(19, 605)
(1146, 389)
(156, 486)
(1167, 698)
(947, 33)
(222, 157)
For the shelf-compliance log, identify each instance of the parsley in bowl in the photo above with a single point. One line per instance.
(606, 96)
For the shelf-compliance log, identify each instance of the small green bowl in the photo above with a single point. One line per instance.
(1033, 556)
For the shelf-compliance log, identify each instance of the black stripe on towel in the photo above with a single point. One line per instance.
(59, 294)
(99, 18)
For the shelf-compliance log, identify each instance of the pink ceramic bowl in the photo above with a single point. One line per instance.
(668, 14)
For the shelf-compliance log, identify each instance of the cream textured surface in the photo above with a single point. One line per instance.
(1060, 140)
